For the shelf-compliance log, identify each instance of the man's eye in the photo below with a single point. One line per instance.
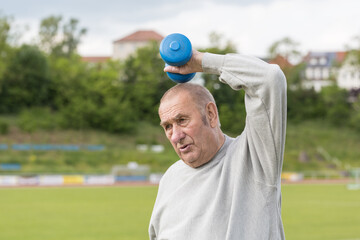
(182, 120)
(167, 127)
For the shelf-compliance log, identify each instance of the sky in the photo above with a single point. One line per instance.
(251, 25)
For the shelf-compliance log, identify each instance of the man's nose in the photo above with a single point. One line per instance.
(177, 134)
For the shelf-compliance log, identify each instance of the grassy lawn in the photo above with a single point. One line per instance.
(311, 212)
(322, 143)
(321, 212)
(76, 213)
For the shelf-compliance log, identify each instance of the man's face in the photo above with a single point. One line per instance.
(184, 126)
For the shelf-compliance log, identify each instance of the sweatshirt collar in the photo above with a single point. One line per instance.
(219, 155)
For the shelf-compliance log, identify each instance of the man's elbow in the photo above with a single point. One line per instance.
(277, 78)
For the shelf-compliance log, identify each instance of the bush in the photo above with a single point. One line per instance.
(338, 109)
(232, 120)
(4, 128)
(304, 104)
(111, 116)
(34, 119)
(355, 117)
(26, 81)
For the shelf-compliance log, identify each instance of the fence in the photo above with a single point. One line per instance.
(51, 147)
(65, 180)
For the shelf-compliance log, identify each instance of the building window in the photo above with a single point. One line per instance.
(352, 75)
(323, 61)
(325, 73)
(343, 75)
(309, 73)
(317, 73)
(313, 61)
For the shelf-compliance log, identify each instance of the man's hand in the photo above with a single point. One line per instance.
(193, 65)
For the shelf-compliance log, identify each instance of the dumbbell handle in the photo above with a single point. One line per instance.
(176, 50)
(193, 65)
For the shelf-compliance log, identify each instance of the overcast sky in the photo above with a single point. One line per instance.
(318, 25)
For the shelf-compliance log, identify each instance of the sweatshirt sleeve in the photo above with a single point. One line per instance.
(265, 102)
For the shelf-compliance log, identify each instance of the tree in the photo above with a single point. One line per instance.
(48, 33)
(294, 75)
(101, 103)
(68, 75)
(304, 104)
(145, 81)
(217, 41)
(355, 117)
(72, 37)
(4, 31)
(285, 47)
(338, 108)
(26, 80)
(5, 48)
(230, 103)
(92, 96)
(58, 43)
(353, 52)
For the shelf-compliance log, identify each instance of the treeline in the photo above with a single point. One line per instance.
(332, 105)
(48, 86)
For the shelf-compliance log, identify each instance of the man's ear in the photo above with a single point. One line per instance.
(211, 114)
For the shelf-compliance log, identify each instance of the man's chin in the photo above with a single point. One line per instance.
(190, 159)
(187, 160)
(194, 163)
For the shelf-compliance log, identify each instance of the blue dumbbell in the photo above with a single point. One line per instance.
(176, 50)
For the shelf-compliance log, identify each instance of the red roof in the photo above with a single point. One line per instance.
(340, 56)
(141, 36)
(337, 56)
(95, 59)
(281, 61)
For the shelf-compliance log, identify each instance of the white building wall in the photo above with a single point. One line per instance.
(122, 50)
(349, 74)
(349, 77)
(316, 84)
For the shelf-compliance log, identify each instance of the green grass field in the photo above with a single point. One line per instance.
(321, 212)
(310, 212)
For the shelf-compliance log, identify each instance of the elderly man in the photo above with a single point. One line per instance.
(223, 188)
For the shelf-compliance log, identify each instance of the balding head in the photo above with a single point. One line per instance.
(189, 117)
(199, 95)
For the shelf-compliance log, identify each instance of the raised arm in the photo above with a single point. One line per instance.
(266, 104)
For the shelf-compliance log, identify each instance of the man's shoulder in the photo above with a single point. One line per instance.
(174, 169)
(234, 142)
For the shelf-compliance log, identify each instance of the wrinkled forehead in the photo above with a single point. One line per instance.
(176, 103)
(173, 99)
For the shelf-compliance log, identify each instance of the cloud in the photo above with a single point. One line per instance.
(316, 25)
(252, 25)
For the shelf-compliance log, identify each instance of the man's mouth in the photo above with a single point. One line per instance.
(184, 148)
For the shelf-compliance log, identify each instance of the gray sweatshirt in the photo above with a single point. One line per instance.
(237, 195)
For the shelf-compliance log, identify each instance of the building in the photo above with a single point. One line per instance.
(349, 73)
(124, 47)
(96, 59)
(321, 69)
(281, 61)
